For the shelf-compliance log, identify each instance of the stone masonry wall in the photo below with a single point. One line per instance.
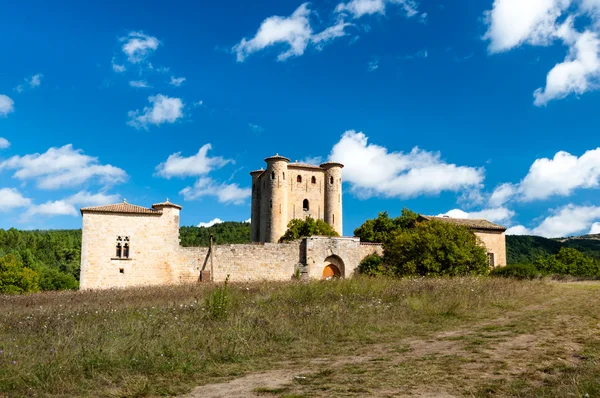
(495, 242)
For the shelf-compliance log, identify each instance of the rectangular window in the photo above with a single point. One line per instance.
(491, 260)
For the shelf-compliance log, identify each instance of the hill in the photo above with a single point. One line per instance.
(527, 249)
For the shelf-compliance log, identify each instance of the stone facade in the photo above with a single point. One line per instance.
(154, 256)
(287, 191)
(495, 244)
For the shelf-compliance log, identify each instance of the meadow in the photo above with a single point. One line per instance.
(471, 336)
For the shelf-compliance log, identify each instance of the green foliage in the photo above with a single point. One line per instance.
(433, 248)
(569, 261)
(372, 265)
(529, 249)
(224, 233)
(54, 279)
(517, 271)
(383, 228)
(15, 278)
(298, 229)
(217, 304)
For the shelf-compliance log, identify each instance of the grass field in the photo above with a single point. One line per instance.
(357, 337)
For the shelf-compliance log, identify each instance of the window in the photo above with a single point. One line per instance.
(283, 176)
(331, 180)
(299, 178)
(272, 175)
(126, 251)
(119, 250)
(121, 270)
(313, 180)
(491, 260)
(122, 248)
(305, 205)
(333, 218)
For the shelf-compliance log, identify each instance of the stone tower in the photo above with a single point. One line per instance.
(287, 191)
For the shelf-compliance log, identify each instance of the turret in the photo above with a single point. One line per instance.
(333, 195)
(255, 215)
(277, 196)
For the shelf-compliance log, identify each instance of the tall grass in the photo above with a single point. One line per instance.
(164, 340)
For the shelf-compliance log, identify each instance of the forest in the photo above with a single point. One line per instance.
(52, 258)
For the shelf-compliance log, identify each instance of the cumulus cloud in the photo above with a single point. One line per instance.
(117, 67)
(373, 171)
(68, 206)
(138, 46)
(4, 143)
(163, 109)
(210, 223)
(512, 23)
(314, 160)
(11, 199)
(177, 81)
(196, 165)
(7, 105)
(139, 84)
(500, 214)
(30, 82)
(359, 8)
(595, 228)
(565, 221)
(62, 167)
(295, 31)
(225, 193)
(559, 176)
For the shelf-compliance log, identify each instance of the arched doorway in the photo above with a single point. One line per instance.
(333, 268)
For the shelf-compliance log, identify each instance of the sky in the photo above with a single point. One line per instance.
(470, 109)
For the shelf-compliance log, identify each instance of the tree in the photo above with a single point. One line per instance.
(383, 228)
(298, 229)
(14, 278)
(569, 261)
(433, 248)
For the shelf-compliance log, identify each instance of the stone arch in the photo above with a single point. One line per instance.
(333, 267)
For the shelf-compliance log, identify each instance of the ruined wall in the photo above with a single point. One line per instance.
(495, 242)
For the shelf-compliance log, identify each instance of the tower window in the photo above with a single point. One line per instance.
(305, 205)
(119, 251)
(283, 176)
(272, 175)
(126, 251)
(299, 178)
(313, 180)
(331, 180)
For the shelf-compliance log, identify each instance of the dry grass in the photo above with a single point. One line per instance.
(463, 336)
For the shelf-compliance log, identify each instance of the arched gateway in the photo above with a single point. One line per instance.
(334, 268)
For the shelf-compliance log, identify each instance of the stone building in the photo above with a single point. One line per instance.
(491, 235)
(287, 191)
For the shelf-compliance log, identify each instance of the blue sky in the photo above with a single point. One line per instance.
(480, 109)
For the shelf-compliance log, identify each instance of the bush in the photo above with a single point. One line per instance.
(16, 279)
(517, 271)
(298, 229)
(569, 261)
(372, 265)
(53, 279)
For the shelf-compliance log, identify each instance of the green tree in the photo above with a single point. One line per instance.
(569, 261)
(298, 229)
(383, 228)
(14, 278)
(372, 265)
(433, 248)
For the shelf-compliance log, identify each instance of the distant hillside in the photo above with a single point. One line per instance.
(224, 233)
(527, 249)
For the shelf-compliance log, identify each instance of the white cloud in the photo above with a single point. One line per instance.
(566, 221)
(197, 165)
(62, 167)
(210, 223)
(177, 81)
(314, 160)
(6, 105)
(163, 109)
(11, 199)
(138, 46)
(225, 193)
(139, 84)
(559, 176)
(116, 67)
(255, 128)
(595, 228)
(30, 82)
(248, 220)
(513, 23)
(4, 143)
(499, 214)
(373, 65)
(373, 171)
(359, 8)
(295, 31)
(68, 206)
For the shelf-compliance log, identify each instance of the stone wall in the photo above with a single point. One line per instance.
(495, 242)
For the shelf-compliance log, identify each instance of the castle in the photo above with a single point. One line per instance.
(126, 245)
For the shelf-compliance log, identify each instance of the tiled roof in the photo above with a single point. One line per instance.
(166, 204)
(467, 222)
(121, 208)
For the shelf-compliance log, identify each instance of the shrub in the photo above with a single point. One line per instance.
(298, 229)
(372, 265)
(16, 279)
(217, 304)
(517, 271)
(569, 261)
(53, 279)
